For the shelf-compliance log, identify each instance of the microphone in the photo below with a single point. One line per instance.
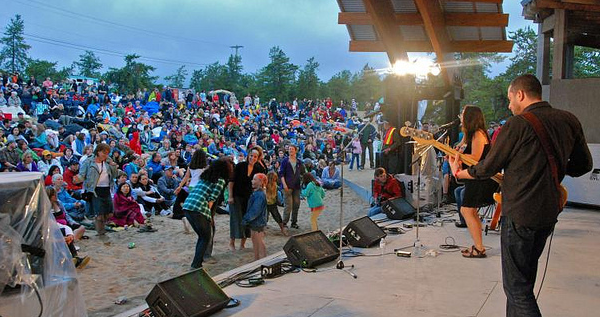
(449, 125)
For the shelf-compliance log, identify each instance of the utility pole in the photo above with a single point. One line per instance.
(236, 47)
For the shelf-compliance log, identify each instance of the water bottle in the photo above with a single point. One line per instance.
(382, 246)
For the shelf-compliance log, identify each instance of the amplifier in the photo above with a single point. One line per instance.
(398, 209)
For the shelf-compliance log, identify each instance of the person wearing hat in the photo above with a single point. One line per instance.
(47, 161)
(9, 157)
(167, 185)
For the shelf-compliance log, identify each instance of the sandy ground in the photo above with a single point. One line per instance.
(115, 270)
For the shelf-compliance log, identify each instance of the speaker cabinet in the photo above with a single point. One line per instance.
(363, 232)
(310, 249)
(193, 294)
(398, 209)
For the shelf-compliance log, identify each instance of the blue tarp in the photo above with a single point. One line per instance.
(151, 107)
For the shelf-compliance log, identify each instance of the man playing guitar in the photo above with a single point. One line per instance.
(531, 199)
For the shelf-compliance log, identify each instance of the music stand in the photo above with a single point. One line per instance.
(418, 248)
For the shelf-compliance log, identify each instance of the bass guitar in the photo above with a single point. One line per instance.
(426, 138)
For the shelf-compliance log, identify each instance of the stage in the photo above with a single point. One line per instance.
(444, 285)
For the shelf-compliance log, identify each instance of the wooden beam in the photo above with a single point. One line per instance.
(384, 21)
(564, 5)
(452, 19)
(485, 1)
(435, 26)
(424, 46)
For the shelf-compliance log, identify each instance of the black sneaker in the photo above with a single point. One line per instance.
(295, 226)
(459, 224)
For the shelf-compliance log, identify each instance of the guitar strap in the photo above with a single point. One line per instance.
(542, 134)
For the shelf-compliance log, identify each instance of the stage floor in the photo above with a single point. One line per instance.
(444, 285)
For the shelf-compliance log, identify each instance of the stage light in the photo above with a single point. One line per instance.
(418, 67)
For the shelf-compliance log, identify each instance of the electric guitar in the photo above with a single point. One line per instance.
(424, 137)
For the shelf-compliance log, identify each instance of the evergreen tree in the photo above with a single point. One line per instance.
(234, 73)
(339, 86)
(132, 76)
(308, 81)
(88, 65)
(177, 79)
(278, 76)
(13, 55)
(213, 76)
(42, 69)
(366, 85)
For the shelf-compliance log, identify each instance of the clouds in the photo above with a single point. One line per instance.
(195, 32)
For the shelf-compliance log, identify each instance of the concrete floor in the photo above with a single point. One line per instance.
(444, 285)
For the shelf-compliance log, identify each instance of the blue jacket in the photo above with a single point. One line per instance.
(256, 215)
(292, 179)
(156, 167)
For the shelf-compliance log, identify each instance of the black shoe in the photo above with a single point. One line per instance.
(460, 224)
(295, 226)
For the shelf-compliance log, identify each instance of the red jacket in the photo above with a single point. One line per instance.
(391, 189)
(68, 178)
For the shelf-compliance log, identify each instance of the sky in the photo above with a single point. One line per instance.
(195, 33)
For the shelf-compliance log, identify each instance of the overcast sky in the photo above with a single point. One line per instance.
(171, 33)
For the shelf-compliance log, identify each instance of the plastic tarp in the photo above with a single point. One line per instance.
(46, 268)
(151, 107)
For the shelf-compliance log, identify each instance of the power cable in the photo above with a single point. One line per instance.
(81, 16)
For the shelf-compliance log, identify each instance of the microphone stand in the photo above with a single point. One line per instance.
(340, 264)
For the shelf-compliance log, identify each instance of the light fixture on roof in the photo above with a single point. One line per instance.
(419, 67)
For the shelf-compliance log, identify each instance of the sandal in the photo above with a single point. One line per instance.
(473, 252)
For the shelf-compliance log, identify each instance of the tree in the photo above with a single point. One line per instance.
(308, 81)
(339, 86)
(42, 69)
(278, 76)
(234, 73)
(14, 50)
(133, 76)
(88, 65)
(366, 85)
(213, 76)
(587, 62)
(177, 79)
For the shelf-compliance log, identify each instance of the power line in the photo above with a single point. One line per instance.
(96, 20)
(82, 47)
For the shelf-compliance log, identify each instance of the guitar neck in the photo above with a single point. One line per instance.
(463, 157)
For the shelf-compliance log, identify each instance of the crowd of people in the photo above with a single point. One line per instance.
(119, 160)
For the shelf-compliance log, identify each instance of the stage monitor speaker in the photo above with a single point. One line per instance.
(193, 294)
(363, 232)
(310, 249)
(398, 209)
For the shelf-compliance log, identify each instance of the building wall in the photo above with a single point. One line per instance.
(580, 97)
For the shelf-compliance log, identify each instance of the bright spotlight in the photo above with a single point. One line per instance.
(401, 68)
(418, 67)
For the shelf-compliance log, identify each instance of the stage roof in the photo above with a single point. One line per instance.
(401, 26)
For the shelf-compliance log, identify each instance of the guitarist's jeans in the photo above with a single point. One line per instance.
(459, 195)
(521, 248)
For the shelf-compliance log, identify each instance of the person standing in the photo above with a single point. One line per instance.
(197, 206)
(98, 174)
(256, 215)
(290, 172)
(240, 189)
(391, 149)
(314, 194)
(531, 200)
(475, 193)
(366, 136)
